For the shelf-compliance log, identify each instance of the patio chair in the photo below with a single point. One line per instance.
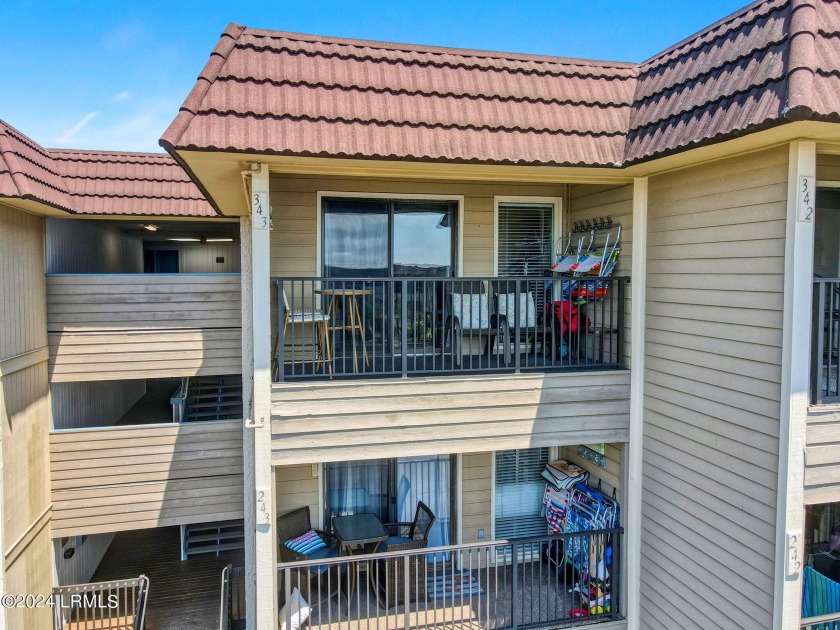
(469, 313)
(536, 326)
(391, 575)
(293, 525)
(405, 533)
(323, 352)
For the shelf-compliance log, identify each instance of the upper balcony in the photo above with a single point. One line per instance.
(423, 326)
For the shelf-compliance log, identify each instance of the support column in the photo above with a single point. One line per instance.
(260, 516)
(634, 450)
(247, 406)
(796, 357)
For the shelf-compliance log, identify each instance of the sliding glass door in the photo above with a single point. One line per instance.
(373, 238)
(391, 489)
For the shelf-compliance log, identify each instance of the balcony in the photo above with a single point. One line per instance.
(328, 328)
(540, 582)
(130, 326)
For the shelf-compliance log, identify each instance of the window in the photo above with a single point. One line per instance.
(525, 233)
(519, 493)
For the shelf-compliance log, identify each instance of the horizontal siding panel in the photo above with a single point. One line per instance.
(337, 421)
(822, 455)
(715, 300)
(121, 478)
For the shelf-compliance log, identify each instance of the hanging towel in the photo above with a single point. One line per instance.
(820, 595)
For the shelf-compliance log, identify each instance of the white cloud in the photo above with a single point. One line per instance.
(68, 134)
(122, 96)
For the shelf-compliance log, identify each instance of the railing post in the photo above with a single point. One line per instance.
(619, 335)
(516, 326)
(514, 586)
(404, 327)
(817, 346)
(281, 333)
(406, 592)
(615, 598)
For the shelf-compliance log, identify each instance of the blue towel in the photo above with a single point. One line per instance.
(820, 595)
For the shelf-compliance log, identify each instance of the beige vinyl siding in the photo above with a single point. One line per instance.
(589, 202)
(476, 495)
(23, 322)
(94, 403)
(294, 205)
(822, 456)
(297, 487)
(610, 477)
(24, 414)
(122, 478)
(337, 421)
(89, 246)
(712, 390)
(29, 571)
(201, 257)
(135, 326)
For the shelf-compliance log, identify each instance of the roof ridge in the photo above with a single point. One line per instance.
(103, 152)
(435, 50)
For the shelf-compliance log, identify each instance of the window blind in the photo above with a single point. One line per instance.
(525, 234)
(519, 490)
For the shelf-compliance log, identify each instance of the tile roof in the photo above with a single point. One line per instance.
(270, 92)
(97, 182)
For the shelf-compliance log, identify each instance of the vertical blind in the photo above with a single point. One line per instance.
(519, 491)
(525, 238)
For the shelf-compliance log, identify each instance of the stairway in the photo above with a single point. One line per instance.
(208, 398)
(199, 538)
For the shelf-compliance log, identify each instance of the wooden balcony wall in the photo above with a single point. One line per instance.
(107, 327)
(339, 421)
(122, 478)
(822, 455)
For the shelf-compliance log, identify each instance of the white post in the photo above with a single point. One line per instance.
(634, 450)
(261, 555)
(247, 435)
(796, 357)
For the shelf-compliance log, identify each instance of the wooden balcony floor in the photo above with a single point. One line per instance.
(183, 595)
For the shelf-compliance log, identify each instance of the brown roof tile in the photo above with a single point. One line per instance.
(285, 93)
(148, 184)
(96, 182)
(27, 170)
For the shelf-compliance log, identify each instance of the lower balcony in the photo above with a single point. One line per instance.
(546, 582)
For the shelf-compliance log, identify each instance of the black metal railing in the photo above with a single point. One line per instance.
(369, 327)
(232, 606)
(113, 604)
(825, 344)
(528, 583)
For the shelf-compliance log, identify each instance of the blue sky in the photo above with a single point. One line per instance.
(111, 75)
